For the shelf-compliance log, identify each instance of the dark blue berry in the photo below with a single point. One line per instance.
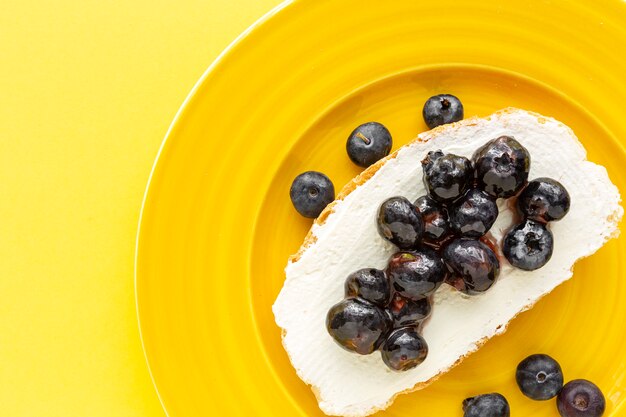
(368, 143)
(407, 312)
(404, 349)
(435, 218)
(580, 398)
(473, 214)
(544, 200)
(528, 245)
(400, 222)
(442, 109)
(446, 176)
(486, 405)
(369, 284)
(416, 274)
(473, 266)
(539, 377)
(502, 167)
(358, 325)
(311, 192)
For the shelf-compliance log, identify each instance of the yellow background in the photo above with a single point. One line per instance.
(87, 91)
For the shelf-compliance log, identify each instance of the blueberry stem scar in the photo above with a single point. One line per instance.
(363, 138)
(581, 402)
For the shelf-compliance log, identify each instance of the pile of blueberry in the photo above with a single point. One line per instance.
(441, 238)
(540, 378)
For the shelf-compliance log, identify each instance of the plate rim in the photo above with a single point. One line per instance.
(174, 123)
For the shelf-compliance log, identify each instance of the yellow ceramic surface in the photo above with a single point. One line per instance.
(217, 224)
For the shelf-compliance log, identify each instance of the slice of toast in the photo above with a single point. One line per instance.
(344, 238)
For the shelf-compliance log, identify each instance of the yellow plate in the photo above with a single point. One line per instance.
(217, 225)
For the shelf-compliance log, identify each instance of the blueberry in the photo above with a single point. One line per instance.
(473, 214)
(486, 405)
(474, 267)
(400, 222)
(502, 166)
(544, 200)
(406, 312)
(416, 274)
(404, 349)
(435, 217)
(539, 377)
(580, 398)
(369, 284)
(528, 245)
(442, 109)
(358, 325)
(368, 143)
(311, 192)
(446, 176)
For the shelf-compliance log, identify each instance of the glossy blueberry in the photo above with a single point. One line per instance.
(442, 109)
(486, 405)
(416, 274)
(473, 266)
(580, 398)
(435, 217)
(400, 222)
(369, 284)
(311, 192)
(544, 200)
(539, 377)
(368, 143)
(446, 176)
(502, 166)
(406, 312)
(473, 214)
(404, 349)
(358, 325)
(528, 245)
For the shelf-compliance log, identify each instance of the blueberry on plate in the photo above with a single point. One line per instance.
(473, 266)
(407, 312)
(486, 405)
(580, 398)
(502, 166)
(416, 274)
(544, 200)
(446, 176)
(442, 109)
(369, 284)
(435, 217)
(400, 222)
(368, 143)
(358, 325)
(404, 349)
(528, 245)
(473, 214)
(539, 377)
(311, 192)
